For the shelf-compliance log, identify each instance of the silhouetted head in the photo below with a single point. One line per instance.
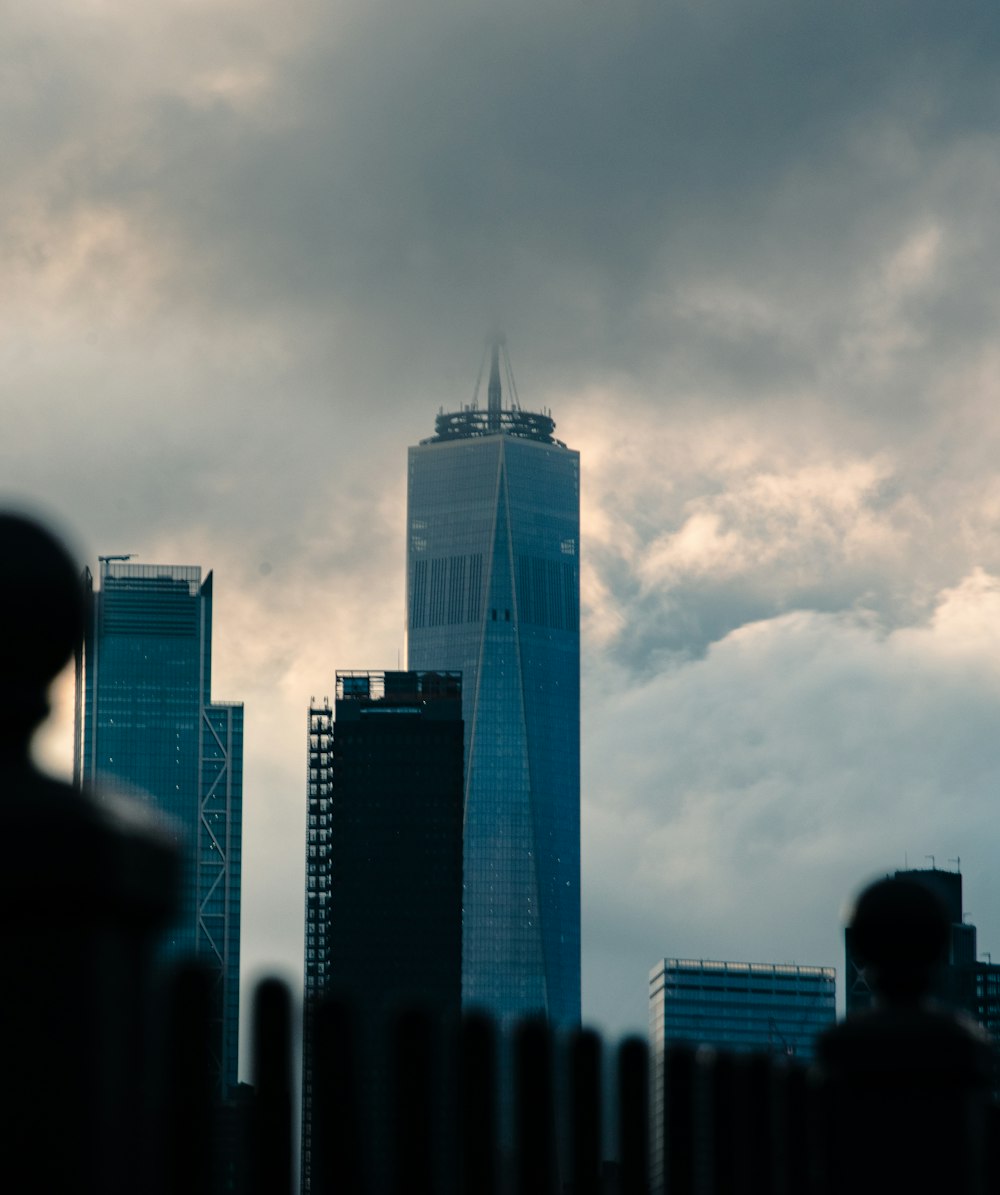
(900, 932)
(41, 622)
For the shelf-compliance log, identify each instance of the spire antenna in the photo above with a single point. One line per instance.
(493, 393)
(497, 419)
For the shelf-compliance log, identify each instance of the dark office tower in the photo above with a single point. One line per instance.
(149, 723)
(383, 864)
(493, 591)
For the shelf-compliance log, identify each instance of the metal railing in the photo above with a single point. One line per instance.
(906, 1107)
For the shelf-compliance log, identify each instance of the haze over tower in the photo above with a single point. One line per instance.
(493, 591)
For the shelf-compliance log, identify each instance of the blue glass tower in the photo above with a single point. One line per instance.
(149, 724)
(493, 591)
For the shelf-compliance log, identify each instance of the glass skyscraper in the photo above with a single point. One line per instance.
(147, 723)
(493, 591)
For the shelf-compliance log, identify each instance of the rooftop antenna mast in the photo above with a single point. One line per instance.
(515, 402)
(493, 393)
(105, 560)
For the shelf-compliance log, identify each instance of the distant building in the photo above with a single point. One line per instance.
(776, 1008)
(146, 721)
(383, 861)
(966, 983)
(493, 591)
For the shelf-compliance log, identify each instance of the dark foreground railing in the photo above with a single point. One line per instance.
(917, 1115)
(465, 1109)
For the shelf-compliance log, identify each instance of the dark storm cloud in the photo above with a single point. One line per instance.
(782, 208)
(426, 168)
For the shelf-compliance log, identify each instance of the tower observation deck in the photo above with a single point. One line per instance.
(472, 422)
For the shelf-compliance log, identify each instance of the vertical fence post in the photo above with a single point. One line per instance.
(191, 1101)
(271, 1140)
(338, 1139)
(792, 1128)
(478, 1106)
(753, 1124)
(992, 1166)
(414, 1100)
(585, 1112)
(680, 1072)
(723, 1120)
(633, 1116)
(534, 1120)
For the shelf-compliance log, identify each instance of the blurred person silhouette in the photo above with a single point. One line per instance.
(907, 1082)
(86, 883)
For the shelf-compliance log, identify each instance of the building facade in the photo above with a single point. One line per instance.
(772, 1008)
(383, 865)
(146, 723)
(493, 592)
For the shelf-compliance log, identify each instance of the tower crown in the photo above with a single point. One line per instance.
(472, 422)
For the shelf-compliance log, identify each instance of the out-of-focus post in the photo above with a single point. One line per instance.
(85, 886)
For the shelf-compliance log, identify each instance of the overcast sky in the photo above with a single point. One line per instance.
(747, 253)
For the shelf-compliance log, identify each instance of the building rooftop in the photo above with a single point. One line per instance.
(117, 573)
(472, 422)
(416, 687)
(712, 965)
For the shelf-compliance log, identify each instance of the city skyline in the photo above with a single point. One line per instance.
(745, 258)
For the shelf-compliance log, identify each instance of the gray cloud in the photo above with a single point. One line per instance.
(748, 794)
(565, 163)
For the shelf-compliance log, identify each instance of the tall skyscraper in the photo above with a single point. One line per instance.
(493, 591)
(146, 721)
(383, 864)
